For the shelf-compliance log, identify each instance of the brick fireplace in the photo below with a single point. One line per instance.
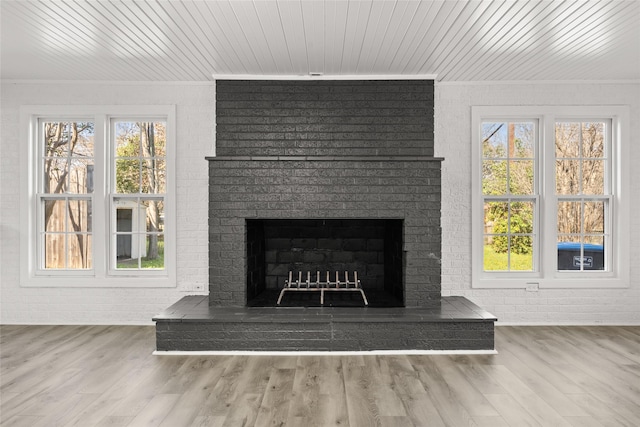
(324, 150)
(281, 190)
(324, 175)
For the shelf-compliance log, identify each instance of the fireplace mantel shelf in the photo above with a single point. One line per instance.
(327, 158)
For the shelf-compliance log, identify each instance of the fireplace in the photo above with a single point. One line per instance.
(274, 214)
(314, 249)
(331, 176)
(325, 175)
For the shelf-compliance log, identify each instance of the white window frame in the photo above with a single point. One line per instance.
(545, 274)
(101, 275)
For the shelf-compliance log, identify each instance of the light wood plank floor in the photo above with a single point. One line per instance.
(107, 376)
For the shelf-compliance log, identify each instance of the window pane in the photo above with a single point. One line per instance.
(494, 177)
(127, 139)
(522, 136)
(493, 260)
(154, 214)
(594, 217)
(496, 224)
(593, 139)
(80, 176)
(508, 140)
(569, 217)
(160, 132)
(54, 215)
(494, 140)
(79, 251)
(155, 252)
(78, 215)
(495, 212)
(124, 218)
(130, 250)
(128, 176)
(153, 176)
(593, 253)
(521, 177)
(56, 139)
(521, 238)
(54, 251)
(569, 253)
(593, 177)
(567, 140)
(521, 217)
(521, 250)
(568, 179)
(55, 178)
(68, 157)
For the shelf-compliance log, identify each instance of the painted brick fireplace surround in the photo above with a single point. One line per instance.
(324, 175)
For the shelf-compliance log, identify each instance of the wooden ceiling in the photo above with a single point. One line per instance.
(123, 40)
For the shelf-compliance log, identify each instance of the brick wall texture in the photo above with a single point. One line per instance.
(331, 188)
(324, 149)
(324, 118)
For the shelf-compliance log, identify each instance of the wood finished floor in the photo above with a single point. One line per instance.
(107, 376)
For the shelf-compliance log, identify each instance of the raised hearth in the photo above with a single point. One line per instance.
(192, 325)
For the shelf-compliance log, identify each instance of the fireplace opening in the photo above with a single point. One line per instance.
(372, 248)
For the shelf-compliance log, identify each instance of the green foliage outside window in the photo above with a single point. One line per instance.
(508, 169)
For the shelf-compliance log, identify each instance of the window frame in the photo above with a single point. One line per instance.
(101, 275)
(41, 197)
(545, 274)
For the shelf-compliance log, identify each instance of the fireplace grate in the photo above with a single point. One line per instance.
(321, 286)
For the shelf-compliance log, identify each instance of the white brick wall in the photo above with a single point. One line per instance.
(195, 121)
(195, 116)
(453, 138)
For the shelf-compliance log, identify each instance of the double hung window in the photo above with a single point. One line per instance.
(98, 197)
(550, 203)
(65, 197)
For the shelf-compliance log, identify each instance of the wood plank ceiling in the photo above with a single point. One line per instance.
(195, 40)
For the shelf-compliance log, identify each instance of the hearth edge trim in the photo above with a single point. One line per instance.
(322, 353)
(372, 158)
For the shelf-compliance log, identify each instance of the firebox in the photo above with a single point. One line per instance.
(369, 249)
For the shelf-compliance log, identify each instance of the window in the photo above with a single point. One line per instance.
(509, 193)
(137, 194)
(549, 204)
(99, 196)
(65, 194)
(583, 178)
